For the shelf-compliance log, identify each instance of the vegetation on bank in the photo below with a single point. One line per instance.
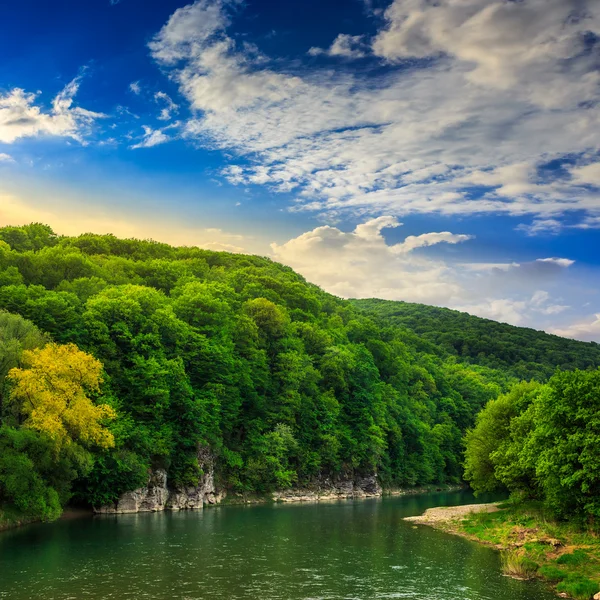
(535, 544)
(540, 442)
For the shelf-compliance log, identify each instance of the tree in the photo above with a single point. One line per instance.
(563, 445)
(52, 392)
(16, 335)
(493, 445)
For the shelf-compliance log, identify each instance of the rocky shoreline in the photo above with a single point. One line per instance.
(157, 496)
(444, 515)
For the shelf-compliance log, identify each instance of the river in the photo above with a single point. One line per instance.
(350, 550)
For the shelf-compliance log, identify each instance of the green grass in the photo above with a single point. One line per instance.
(535, 545)
(578, 557)
(578, 587)
(518, 565)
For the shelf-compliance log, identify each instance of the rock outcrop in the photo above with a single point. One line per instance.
(156, 495)
(327, 489)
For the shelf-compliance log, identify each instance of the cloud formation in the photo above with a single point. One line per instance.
(21, 117)
(477, 97)
(169, 107)
(345, 46)
(151, 137)
(587, 330)
(360, 264)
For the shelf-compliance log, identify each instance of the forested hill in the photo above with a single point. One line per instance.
(525, 353)
(120, 356)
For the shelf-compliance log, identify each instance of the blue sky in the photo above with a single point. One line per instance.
(441, 152)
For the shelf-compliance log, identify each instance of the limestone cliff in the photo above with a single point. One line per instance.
(156, 494)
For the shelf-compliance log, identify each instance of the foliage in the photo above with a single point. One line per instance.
(517, 565)
(284, 383)
(52, 390)
(524, 353)
(542, 440)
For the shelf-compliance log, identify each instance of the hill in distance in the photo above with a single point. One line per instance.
(525, 353)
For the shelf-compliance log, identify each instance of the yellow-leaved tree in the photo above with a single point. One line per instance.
(52, 390)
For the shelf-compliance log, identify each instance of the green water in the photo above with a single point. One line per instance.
(345, 550)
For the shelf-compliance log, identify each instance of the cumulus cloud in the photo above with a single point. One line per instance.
(6, 157)
(361, 264)
(152, 137)
(21, 117)
(498, 90)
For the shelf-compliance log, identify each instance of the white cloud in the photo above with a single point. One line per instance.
(561, 262)
(345, 46)
(360, 264)
(6, 157)
(588, 174)
(167, 112)
(189, 29)
(505, 88)
(541, 226)
(538, 45)
(152, 137)
(135, 87)
(21, 117)
(587, 329)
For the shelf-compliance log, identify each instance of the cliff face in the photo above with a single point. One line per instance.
(156, 494)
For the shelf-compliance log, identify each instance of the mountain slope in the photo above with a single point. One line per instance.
(525, 353)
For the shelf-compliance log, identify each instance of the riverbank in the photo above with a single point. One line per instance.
(10, 518)
(533, 545)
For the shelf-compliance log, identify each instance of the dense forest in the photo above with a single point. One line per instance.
(118, 356)
(522, 352)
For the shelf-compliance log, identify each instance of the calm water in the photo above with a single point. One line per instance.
(346, 550)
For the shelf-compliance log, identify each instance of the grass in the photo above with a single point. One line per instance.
(519, 566)
(533, 544)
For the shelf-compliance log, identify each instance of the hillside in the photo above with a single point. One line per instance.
(524, 353)
(171, 350)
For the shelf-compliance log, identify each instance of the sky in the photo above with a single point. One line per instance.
(444, 152)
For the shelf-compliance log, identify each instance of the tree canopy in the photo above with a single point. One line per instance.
(188, 348)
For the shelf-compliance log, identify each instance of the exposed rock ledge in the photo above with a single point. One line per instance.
(360, 487)
(157, 496)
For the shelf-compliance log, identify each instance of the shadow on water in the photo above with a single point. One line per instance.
(341, 550)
